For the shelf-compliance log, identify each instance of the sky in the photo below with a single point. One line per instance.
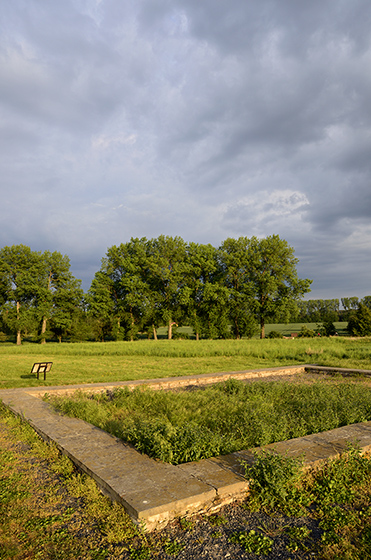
(203, 119)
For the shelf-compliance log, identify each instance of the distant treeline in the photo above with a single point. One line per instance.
(319, 310)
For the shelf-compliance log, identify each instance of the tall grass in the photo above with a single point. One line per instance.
(191, 425)
(290, 350)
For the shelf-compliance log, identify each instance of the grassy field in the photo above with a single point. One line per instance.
(121, 361)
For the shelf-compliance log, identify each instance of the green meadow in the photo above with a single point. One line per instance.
(77, 363)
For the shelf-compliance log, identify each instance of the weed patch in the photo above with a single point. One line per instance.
(192, 425)
(336, 497)
(253, 542)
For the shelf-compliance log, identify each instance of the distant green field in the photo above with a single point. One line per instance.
(148, 359)
(287, 328)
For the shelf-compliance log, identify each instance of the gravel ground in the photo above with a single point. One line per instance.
(209, 538)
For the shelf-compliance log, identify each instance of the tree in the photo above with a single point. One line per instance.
(366, 301)
(234, 258)
(359, 323)
(19, 272)
(350, 305)
(100, 303)
(36, 287)
(128, 268)
(167, 276)
(120, 297)
(274, 283)
(58, 293)
(203, 297)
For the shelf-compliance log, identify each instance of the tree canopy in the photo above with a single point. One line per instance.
(220, 292)
(37, 289)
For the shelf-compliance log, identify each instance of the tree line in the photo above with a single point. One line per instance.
(319, 310)
(219, 292)
(228, 291)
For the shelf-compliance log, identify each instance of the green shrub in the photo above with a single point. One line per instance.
(275, 334)
(359, 323)
(306, 333)
(327, 328)
(272, 478)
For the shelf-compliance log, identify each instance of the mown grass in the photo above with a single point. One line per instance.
(191, 425)
(120, 361)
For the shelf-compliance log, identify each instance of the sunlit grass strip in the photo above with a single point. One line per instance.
(192, 425)
(276, 348)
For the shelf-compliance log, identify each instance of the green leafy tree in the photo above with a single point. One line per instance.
(58, 294)
(366, 301)
(359, 323)
(121, 298)
(203, 297)
(167, 276)
(101, 304)
(275, 285)
(350, 305)
(235, 262)
(19, 273)
(128, 268)
(215, 312)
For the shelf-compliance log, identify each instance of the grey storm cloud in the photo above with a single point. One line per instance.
(204, 119)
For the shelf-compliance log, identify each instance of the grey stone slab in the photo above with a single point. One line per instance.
(211, 471)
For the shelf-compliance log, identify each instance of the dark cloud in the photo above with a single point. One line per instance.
(201, 119)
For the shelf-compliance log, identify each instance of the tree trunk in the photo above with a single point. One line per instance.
(262, 328)
(154, 332)
(43, 330)
(170, 330)
(19, 337)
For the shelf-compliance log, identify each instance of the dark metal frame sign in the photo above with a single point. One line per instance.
(41, 367)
